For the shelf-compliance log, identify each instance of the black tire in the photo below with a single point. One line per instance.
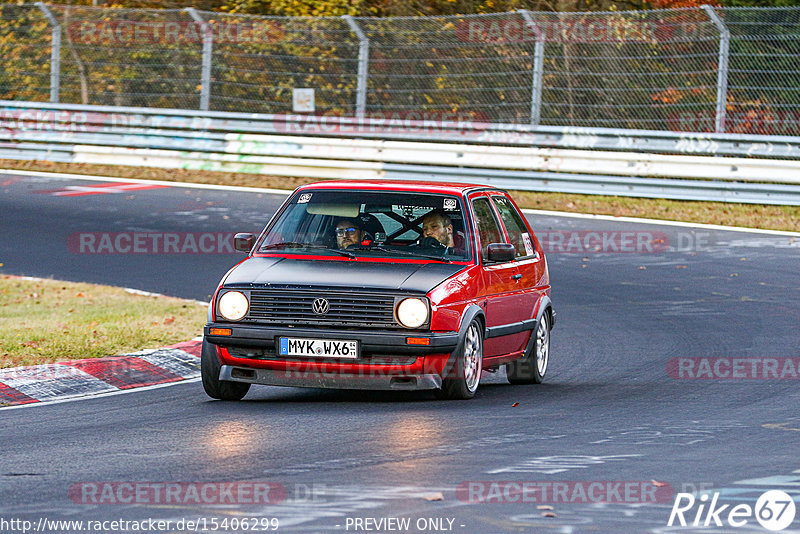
(463, 379)
(209, 371)
(532, 368)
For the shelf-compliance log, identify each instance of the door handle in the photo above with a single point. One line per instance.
(517, 276)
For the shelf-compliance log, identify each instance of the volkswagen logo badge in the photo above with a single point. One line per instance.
(321, 306)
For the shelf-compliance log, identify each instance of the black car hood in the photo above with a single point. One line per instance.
(412, 277)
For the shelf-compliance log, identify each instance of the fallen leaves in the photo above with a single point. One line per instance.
(515, 405)
(169, 320)
(438, 496)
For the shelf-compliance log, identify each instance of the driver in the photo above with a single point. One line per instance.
(348, 233)
(438, 225)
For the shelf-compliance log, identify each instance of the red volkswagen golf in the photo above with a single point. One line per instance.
(382, 285)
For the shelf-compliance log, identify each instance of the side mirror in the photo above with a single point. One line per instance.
(501, 252)
(243, 242)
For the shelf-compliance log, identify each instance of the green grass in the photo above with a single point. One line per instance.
(49, 320)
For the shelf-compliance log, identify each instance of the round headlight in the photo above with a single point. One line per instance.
(233, 305)
(412, 313)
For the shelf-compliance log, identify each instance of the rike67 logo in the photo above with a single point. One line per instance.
(774, 510)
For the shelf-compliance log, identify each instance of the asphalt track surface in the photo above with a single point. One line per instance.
(609, 410)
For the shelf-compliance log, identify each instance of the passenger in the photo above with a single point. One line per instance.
(348, 233)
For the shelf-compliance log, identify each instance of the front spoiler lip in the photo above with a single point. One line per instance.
(371, 341)
(312, 379)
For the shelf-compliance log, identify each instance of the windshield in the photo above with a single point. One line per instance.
(375, 223)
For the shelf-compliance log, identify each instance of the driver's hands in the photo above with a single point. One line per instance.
(430, 242)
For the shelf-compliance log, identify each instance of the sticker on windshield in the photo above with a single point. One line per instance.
(450, 204)
(304, 198)
(526, 238)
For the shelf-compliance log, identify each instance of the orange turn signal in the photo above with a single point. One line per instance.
(418, 341)
(220, 331)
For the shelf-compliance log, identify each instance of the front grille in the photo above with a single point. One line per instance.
(346, 308)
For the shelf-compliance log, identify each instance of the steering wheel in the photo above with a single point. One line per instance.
(430, 242)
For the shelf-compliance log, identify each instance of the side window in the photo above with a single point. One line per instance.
(488, 229)
(515, 227)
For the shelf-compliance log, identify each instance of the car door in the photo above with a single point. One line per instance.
(529, 262)
(498, 284)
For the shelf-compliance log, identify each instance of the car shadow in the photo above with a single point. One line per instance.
(486, 392)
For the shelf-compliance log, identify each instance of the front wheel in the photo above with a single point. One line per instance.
(467, 371)
(532, 367)
(209, 371)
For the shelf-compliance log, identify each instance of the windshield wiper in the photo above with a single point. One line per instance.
(408, 253)
(285, 244)
(294, 244)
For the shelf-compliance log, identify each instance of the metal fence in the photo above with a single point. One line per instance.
(707, 69)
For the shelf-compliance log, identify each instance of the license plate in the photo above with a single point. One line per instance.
(317, 348)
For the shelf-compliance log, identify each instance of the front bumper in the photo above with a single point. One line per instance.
(323, 379)
(375, 342)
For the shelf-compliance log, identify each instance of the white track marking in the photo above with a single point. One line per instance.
(660, 222)
(189, 185)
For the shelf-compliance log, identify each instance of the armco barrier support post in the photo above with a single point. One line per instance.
(363, 65)
(55, 52)
(538, 68)
(722, 69)
(208, 43)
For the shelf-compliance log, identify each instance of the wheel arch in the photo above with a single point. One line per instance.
(545, 306)
(473, 311)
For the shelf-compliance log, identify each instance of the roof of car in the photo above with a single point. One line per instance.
(399, 185)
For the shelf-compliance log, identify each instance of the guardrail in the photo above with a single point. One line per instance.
(719, 167)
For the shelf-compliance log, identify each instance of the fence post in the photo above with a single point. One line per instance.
(363, 65)
(722, 69)
(208, 42)
(538, 68)
(55, 52)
